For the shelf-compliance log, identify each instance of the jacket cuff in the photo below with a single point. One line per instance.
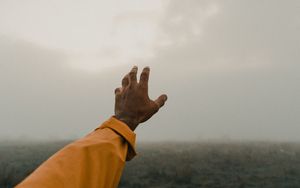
(122, 129)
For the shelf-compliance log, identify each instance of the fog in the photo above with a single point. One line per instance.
(230, 68)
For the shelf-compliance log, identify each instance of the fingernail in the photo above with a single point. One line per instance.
(166, 97)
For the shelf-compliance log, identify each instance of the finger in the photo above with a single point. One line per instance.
(117, 91)
(144, 77)
(160, 101)
(125, 81)
(132, 75)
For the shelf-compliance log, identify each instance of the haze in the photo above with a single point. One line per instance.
(231, 69)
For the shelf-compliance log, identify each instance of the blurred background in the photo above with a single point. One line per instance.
(231, 70)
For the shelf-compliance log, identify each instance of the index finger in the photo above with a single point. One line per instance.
(144, 78)
(132, 75)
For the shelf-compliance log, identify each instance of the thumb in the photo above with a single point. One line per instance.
(160, 101)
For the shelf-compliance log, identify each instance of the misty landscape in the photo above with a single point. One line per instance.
(231, 70)
(178, 165)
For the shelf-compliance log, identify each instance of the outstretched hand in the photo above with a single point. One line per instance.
(132, 103)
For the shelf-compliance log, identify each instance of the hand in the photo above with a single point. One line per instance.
(132, 103)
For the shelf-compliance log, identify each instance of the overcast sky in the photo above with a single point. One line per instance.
(231, 69)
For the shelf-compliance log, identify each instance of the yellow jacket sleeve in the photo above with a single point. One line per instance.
(95, 161)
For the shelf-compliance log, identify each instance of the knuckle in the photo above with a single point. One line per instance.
(132, 86)
(156, 109)
(132, 74)
(143, 86)
(124, 81)
(144, 75)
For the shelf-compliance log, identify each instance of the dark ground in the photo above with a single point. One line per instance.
(205, 164)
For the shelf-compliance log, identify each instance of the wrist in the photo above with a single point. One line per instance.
(128, 121)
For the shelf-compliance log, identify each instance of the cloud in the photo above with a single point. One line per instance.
(237, 76)
(230, 68)
(112, 33)
(42, 97)
(234, 34)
